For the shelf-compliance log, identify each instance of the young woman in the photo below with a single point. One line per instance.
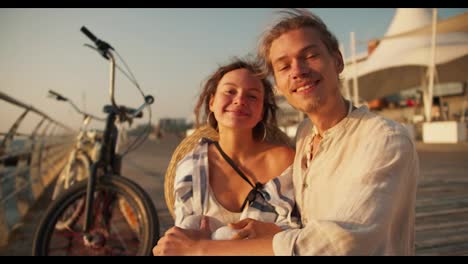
(239, 103)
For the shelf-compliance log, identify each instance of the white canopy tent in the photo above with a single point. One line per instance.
(402, 60)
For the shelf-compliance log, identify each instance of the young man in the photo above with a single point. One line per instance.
(355, 173)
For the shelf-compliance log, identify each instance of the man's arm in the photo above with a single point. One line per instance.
(183, 242)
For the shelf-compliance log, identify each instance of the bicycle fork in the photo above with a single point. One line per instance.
(105, 158)
(89, 203)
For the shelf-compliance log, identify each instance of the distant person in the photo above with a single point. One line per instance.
(239, 104)
(355, 173)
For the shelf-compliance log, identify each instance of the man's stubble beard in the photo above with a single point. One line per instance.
(310, 106)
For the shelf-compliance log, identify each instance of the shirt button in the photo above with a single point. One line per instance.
(305, 185)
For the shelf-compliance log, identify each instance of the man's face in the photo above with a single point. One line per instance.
(304, 70)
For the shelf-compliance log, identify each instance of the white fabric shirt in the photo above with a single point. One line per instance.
(358, 195)
(193, 196)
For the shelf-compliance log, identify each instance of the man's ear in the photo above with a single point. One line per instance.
(339, 63)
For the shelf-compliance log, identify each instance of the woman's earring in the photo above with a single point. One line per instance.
(264, 130)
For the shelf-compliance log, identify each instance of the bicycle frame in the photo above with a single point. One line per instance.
(108, 161)
(107, 154)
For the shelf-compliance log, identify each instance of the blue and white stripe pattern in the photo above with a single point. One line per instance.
(191, 194)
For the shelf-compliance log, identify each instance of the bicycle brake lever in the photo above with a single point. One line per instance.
(102, 52)
(124, 117)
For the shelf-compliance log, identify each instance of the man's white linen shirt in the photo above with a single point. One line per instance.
(358, 195)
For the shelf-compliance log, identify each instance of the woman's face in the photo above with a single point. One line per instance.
(238, 101)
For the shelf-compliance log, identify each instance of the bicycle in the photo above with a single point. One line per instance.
(118, 216)
(84, 152)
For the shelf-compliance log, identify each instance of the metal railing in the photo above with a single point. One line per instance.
(28, 163)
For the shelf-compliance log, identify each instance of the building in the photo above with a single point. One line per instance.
(288, 117)
(172, 125)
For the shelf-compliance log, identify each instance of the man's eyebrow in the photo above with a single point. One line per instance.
(229, 83)
(310, 47)
(307, 48)
(278, 60)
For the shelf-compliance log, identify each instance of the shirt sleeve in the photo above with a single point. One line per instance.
(375, 198)
(183, 195)
(282, 198)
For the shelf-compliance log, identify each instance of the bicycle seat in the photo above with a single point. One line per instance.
(111, 109)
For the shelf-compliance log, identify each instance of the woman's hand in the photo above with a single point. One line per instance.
(179, 242)
(249, 228)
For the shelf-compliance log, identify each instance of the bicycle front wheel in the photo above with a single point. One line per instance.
(124, 221)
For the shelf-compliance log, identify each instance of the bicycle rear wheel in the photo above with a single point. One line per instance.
(78, 170)
(124, 222)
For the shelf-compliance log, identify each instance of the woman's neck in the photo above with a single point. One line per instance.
(238, 144)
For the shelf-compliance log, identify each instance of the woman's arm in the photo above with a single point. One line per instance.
(183, 242)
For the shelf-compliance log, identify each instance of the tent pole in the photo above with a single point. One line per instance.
(355, 80)
(465, 92)
(430, 89)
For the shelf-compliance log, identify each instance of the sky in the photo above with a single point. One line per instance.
(170, 51)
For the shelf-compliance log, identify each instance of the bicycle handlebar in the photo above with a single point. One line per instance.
(102, 46)
(60, 97)
(57, 96)
(104, 49)
(149, 99)
(89, 34)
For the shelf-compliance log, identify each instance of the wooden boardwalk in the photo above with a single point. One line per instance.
(441, 210)
(442, 200)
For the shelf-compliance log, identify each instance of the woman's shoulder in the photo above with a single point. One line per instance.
(194, 153)
(276, 152)
(278, 158)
